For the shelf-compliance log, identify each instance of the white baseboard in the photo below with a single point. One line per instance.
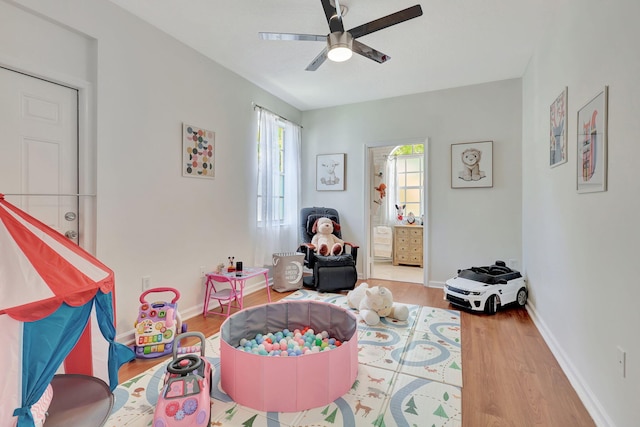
(585, 394)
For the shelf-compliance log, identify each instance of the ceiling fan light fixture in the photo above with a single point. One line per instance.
(339, 46)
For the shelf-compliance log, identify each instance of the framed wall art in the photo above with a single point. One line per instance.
(558, 130)
(330, 172)
(472, 164)
(592, 144)
(198, 152)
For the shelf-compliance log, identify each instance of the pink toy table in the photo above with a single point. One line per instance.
(232, 296)
(293, 383)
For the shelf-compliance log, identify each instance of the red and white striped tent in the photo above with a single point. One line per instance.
(50, 289)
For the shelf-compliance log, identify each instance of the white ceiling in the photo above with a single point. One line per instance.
(454, 43)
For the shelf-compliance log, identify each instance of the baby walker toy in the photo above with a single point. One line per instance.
(185, 398)
(157, 325)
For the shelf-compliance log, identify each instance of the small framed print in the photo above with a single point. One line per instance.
(330, 172)
(558, 130)
(472, 164)
(198, 152)
(592, 144)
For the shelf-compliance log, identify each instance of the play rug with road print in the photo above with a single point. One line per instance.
(409, 374)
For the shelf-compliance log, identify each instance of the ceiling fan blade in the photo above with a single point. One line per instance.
(293, 36)
(369, 52)
(317, 61)
(333, 18)
(386, 21)
(338, 8)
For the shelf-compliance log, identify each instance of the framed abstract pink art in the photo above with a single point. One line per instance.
(592, 144)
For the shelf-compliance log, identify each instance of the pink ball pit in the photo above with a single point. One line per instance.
(288, 384)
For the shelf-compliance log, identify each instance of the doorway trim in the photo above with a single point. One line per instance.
(87, 204)
(368, 257)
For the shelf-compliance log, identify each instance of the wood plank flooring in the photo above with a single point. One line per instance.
(510, 377)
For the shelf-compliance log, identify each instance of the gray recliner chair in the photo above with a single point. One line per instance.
(333, 272)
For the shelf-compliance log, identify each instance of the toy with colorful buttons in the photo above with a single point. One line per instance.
(188, 349)
(289, 343)
(157, 325)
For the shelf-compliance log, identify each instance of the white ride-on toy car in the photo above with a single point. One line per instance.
(486, 288)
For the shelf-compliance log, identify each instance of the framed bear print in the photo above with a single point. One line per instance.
(472, 164)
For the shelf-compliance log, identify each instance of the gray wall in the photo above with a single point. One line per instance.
(580, 249)
(470, 226)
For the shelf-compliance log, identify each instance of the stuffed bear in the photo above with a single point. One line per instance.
(471, 161)
(324, 240)
(374, 303)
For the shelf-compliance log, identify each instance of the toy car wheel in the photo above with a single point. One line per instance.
(491, 306)
(522, 297)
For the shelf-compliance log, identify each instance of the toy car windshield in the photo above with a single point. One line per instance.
(182, 387)
(491, 275)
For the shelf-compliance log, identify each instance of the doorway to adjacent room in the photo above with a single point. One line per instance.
(396, 175)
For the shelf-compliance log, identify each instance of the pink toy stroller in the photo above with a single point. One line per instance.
(157, 325)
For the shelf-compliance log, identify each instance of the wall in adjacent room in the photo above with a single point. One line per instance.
(466, 227)
(579, 248)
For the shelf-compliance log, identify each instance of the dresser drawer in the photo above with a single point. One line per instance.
(415, 232)
(402, 232)
(403, 240)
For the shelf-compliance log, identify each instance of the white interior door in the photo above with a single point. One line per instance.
(39, 149)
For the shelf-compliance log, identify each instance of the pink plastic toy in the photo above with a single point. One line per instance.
(311, 380)
(157, 325)
(185, 399)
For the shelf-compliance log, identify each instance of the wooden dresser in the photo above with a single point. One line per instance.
(407, 245)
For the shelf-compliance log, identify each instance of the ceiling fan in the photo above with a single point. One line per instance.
(340, 43)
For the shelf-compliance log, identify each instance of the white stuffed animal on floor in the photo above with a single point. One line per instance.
(324, 240)
(374, 303)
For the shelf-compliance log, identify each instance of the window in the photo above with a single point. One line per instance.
(277, 176)
(278, 192)
(409, 167)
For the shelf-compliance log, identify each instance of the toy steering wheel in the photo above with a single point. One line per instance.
(185, 364)
(498, 269)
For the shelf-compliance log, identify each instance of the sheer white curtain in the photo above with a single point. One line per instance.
(392, 191)
(277, 228)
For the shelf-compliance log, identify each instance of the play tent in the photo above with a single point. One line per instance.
(50, 289)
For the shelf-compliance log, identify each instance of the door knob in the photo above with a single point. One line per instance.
(71, 234)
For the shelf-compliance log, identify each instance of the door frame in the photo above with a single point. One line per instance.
(368, 173)
(87, 203)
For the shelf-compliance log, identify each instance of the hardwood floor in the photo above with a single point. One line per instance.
(510, 377)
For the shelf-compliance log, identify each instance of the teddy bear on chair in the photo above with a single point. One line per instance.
(374, 303)
(325, 242)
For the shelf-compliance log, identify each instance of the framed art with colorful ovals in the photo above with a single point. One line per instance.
(198, 152)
